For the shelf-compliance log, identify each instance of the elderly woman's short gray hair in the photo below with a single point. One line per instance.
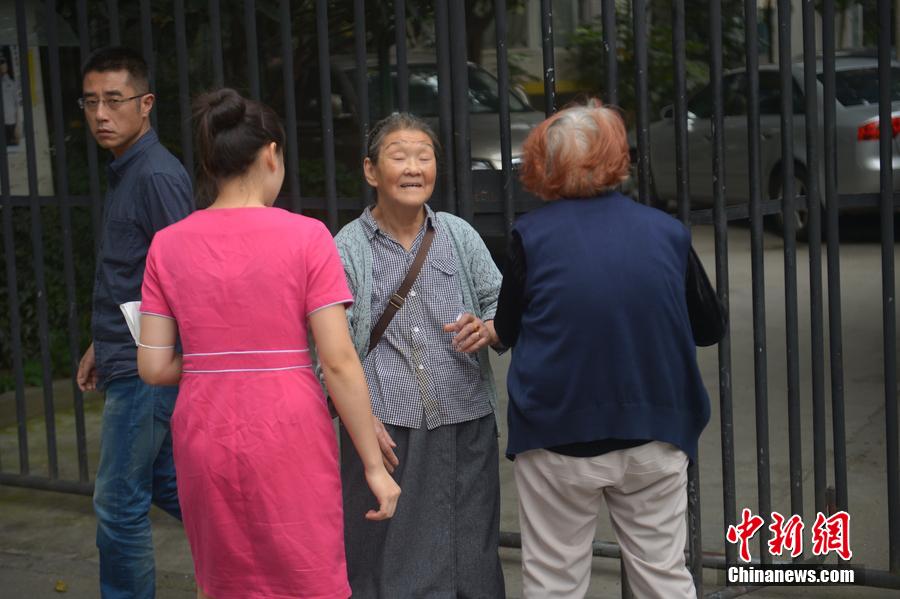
(578, 152)
(398, 121)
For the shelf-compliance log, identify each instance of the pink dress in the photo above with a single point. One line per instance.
(255, 450)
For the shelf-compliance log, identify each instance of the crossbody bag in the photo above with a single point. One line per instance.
(398, 298)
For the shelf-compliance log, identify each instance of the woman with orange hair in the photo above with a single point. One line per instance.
(605, 396)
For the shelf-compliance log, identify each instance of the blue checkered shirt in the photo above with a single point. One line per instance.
(414, 370)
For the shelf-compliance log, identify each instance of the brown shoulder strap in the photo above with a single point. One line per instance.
(399, 297)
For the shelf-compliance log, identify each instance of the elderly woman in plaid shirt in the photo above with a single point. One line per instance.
(430, 382)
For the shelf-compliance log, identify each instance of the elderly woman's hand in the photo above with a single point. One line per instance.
(472, 333)
(387, 445)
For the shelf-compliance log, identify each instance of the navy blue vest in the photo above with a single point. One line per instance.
(605, 349)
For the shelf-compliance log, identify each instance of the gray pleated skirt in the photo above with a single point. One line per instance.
(442, 541)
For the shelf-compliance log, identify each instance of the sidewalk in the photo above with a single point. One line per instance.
(47, 539)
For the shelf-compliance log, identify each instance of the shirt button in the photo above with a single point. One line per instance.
(412, 293)
(415, 329)
(421, 367)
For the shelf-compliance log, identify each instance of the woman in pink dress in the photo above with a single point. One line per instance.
(240, 284)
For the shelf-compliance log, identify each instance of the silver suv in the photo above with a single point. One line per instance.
(856, 112)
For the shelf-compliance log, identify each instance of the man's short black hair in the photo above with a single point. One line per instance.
(119, 58)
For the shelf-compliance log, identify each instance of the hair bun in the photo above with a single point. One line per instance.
(225, 108)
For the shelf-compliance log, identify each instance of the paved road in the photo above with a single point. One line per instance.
(48, 537)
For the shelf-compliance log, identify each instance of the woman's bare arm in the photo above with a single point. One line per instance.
(158, 364)
(347, 388)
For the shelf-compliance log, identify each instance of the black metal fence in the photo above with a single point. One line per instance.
(261, 56)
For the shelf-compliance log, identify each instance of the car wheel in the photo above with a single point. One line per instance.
(801, 215)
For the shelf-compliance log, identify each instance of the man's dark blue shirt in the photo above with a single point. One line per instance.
(148, 190)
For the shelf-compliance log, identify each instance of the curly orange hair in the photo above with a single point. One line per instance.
(581, 151)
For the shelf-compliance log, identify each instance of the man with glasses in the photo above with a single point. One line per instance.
(148, 189)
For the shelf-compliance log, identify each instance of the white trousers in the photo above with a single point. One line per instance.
(645, 489)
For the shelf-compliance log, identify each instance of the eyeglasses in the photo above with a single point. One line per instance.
(92, 104)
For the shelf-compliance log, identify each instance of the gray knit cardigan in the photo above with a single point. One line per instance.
(479, 281)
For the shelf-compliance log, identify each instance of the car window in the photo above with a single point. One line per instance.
(860, 86)
(701, 105)
(770, 94)
(733, 99)
(308, 100)
(484, 93)
(423, 92)
(735, 93)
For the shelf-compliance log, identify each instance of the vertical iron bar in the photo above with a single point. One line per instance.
(445, 103)
(93, 168)
(834, 265)
(639, 8)
(792, 334)
(292, 156)
(215, 34)
(549, 58)
(184, 90)
(814, 215)
(147, 46)
(506, 173)
(760, 386)
(362, 87)
(327, 124)
(4, 173)
(402, 62)
(609, 44)
(695, 539)
(459, 81)
(720, 223)
(115, 38)
(887, 283)
(37, 241)
(623, 581)
(15, 319)
(252, 50)
(386, 87)
(680, 113)
(62, 192)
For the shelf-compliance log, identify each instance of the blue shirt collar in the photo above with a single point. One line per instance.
(147, 139)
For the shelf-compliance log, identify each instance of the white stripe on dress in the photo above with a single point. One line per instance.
(246, 369)
(251, 351)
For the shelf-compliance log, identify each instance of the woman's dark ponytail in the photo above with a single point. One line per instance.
(229, 130)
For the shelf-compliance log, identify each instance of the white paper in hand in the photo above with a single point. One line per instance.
(132, 313)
